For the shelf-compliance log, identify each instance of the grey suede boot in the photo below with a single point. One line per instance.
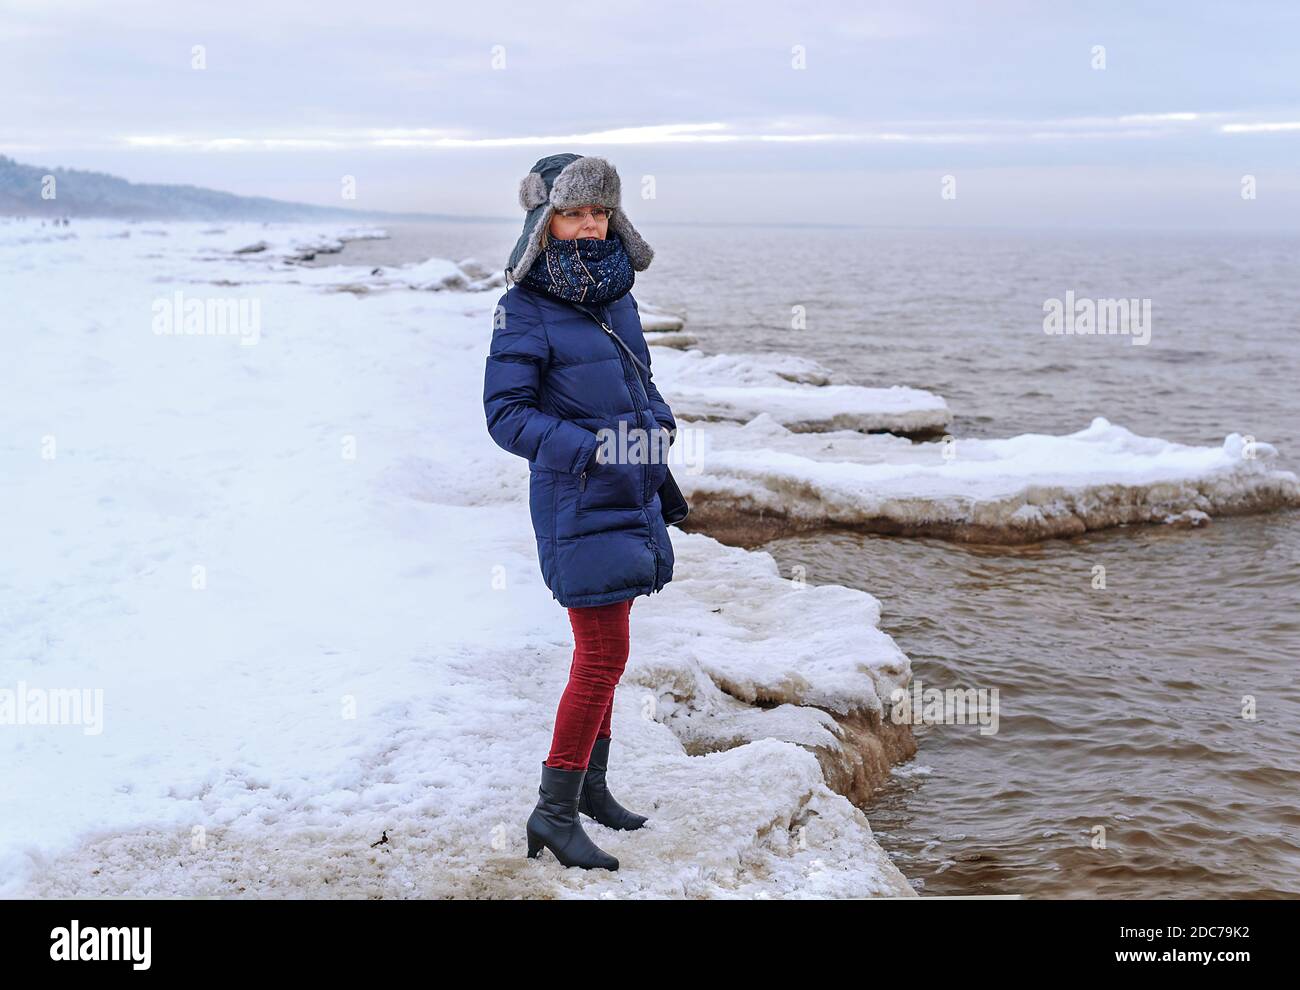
(596, 801)
(555, 824)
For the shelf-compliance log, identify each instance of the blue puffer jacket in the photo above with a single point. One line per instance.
(554, 379)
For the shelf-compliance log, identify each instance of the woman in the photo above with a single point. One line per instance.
(560, 391)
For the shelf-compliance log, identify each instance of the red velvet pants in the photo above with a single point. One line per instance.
(600, 650)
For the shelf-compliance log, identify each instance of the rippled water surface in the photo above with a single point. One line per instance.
(1120, 709)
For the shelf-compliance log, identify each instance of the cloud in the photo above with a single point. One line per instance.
(1261, 127)
(956, 132)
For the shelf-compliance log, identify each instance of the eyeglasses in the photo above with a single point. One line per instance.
(598, 214)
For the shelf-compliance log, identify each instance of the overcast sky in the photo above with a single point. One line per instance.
(444, 107)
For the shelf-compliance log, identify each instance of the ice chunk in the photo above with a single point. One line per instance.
(793, 391)
(1013, 490)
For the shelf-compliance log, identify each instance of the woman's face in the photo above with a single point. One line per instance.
(582, 222)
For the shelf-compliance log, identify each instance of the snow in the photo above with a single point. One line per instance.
(304, 579)
(1008, 490)
(680, 341)
(437, 274)
(655, 320)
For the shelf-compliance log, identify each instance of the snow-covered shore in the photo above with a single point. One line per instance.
(303, 578)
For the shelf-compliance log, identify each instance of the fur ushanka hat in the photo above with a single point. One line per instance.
(561, 182)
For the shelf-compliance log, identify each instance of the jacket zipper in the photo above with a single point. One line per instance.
(645, 472)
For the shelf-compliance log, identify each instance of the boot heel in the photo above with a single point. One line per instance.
(534, 846)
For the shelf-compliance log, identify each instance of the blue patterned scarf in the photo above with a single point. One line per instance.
(585, 269)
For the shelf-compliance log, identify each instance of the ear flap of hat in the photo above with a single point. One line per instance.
(529, 245)
(639, 253)
(532, 191)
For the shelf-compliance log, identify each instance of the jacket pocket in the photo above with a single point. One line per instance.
(610, 486)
